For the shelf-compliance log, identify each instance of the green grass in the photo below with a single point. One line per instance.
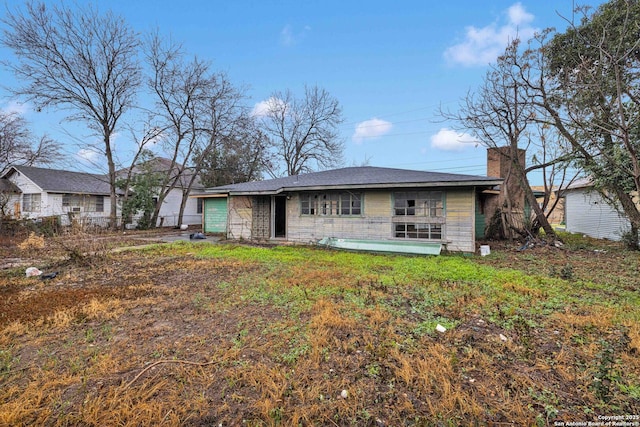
(287, 329)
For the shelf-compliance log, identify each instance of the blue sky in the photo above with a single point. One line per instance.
(390, 64)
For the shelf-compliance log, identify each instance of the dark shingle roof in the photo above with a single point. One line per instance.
(61, 181)
(356, 177)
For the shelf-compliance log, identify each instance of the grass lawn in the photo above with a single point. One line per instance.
(229, 334)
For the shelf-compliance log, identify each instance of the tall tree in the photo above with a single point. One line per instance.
(595, 101)
(18, 146)
(501, 113)
(196, 108)
(304, 131)
(80, 60)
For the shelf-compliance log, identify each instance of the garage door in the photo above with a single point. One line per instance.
(215, 215)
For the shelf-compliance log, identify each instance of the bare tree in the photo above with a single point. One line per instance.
(18, 146)
(78, 59)
(502, 113)
(304, 131)
(197, 109)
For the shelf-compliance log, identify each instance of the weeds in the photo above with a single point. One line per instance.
(234, 335)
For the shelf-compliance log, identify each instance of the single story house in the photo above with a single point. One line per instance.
(372, 203)
(34, 192)
(587, 212)
(51, 192)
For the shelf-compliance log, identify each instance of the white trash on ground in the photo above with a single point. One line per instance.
(32, 271)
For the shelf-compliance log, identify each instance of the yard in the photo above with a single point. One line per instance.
(232, 334)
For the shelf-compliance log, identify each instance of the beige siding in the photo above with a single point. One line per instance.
(460, 219)
(375, 223)
(239, 226)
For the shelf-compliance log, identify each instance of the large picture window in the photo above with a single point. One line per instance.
(418, 215)
(331, 204)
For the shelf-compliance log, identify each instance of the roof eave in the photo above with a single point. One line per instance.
(384, 186)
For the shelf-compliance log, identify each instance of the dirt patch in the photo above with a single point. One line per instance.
(162, 336)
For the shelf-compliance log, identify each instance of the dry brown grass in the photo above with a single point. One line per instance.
(174, 336)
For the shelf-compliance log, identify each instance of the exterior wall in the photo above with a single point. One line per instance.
(12, 207)
(460, 220)
(377, 223)
(239, 219)
(586, 212)
(54, 207)
(170, 208)
(374, 224)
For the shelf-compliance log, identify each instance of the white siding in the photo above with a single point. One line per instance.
(170, 208)
(586, 212)
(28, 187)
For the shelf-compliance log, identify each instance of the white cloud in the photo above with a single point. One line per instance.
(450, 140)
(290, 38)
(482, 46)
(87, 155)
(262, 108)
(372, 128)
(15, 107)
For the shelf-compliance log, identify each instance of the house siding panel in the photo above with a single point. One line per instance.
(375, 223)
(240, 214)
(168, 216)
(586, 212)
(215, 215)
(460, 217)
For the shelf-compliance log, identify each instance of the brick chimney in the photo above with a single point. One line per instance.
(499, 165)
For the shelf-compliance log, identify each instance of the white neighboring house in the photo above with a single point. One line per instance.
(51, 192)
(587, 212)
(170, 209)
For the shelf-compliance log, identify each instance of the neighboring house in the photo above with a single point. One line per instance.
(587, 212)
(351, 203)
(557, 215)
(52, 192)
(170, 209)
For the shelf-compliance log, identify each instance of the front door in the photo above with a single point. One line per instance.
(280, 217)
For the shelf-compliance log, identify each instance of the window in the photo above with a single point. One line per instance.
(410, 230)
(199, 206)
(418, 215)
(419, 203)
(78, 203)
(31, 202)
(99, 203)
(331, 204)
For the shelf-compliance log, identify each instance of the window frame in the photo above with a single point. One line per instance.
(419, 214)
(32, 202)
(331, 203)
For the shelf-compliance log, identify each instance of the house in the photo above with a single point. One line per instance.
(170, 209)
(587, 212)
(51, 192)
(370, 203)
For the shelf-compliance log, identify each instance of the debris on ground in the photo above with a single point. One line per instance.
(32, 272)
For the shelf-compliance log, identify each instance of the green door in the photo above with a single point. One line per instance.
(215, 215)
